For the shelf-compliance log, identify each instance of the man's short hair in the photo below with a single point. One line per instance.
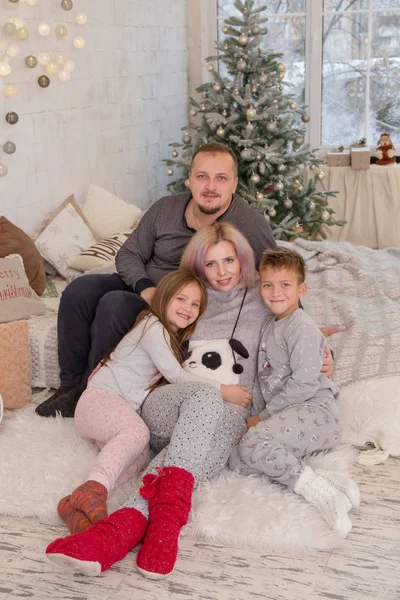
(278, 258)
(216, 148)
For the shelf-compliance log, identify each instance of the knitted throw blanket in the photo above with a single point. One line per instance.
(358, 289)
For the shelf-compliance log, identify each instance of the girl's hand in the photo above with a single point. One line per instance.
(236, 394)
(327, 364)
(252, 421)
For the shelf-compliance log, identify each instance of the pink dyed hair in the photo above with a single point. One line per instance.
(194, 256)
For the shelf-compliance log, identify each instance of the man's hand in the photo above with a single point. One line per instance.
(327, 364)
(252, 421)
(148, 294)
(330, 330)
(236, 394)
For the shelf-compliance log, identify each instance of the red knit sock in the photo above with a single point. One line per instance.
(106, 542)
(91, 499)
(170, 498)
(74, 519)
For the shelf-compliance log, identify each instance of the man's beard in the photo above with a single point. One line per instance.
(208, 211)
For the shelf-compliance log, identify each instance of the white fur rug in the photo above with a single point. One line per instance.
(43, 460)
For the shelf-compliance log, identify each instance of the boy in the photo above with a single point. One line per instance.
(295, 412)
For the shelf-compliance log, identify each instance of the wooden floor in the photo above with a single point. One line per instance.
(367, 568)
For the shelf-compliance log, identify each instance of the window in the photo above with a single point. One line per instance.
(343, 57)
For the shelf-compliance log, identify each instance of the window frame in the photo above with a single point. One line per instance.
(313, 59)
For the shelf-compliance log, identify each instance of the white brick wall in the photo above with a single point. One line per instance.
(112, 122)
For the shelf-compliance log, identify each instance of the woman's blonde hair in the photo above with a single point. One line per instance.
(194, 256)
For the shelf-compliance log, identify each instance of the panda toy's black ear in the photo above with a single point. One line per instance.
(238, 348)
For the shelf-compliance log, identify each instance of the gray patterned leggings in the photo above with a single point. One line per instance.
(276, 446)
(192, 428)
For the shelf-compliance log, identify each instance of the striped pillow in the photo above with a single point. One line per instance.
(99, 254)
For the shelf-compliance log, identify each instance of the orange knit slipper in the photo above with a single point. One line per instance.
(74, 519)
(91, 499)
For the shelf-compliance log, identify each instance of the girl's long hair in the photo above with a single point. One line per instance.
(167, 288)
(194, 256)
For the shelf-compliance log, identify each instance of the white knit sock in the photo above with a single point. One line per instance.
(332, 504)
(343, 483)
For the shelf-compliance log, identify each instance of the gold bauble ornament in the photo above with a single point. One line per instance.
(325, 216)
(251, 113)
(306, 118)
(174, 153)
(10, 90)
(170, 172)
(225, 29)
(67, 4)
(226, 46)
(272, 213)
(217, 87)
(320, 175)
(12, 118)
(61, 31)
(210, 68)
(10, 29)
(22, 34)
(243, 39)
(298, 141)
(260, 196)
(293, 105)
(255, 30)
(287, 203)
(31, 61)
(220, 132)
(186, 139)
(255, 178)
(272, 126)
(263, 79)
(193, 112)
(241, 65)
(44, 81)
(9, 147)
(281, 67)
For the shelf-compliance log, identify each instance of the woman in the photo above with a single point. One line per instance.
(195, 427)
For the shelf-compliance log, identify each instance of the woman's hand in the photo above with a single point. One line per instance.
(252, 421)
(327, 364)
(236, 394)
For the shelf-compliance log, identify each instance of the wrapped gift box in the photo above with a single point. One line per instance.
(338, 159)
(360, 157)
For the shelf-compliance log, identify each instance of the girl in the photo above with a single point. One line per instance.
(193, 426)
(150, 354)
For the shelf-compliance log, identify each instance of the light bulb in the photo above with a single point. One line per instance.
(81, 18)
(10, 90)
(78, 41)
(5, 68)
(44, 29)
(44, 58)
(69, 66)
(52, 68)
(64, 75)
(13, 50)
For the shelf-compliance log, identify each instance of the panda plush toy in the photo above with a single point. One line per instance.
(215, 359)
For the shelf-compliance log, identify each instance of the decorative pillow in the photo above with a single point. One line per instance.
(66, 234)
(17, 299)
(107, 214)
(15, 241)
(15, 364)
(99, 254)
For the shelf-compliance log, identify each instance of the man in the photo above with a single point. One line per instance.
(97, 310)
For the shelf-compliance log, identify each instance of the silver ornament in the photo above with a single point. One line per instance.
(287, 203)
(293, 105)
(66, 4)
(320, 175)
(220, 132)
(243, 39)
(281, 168)
(251, 113)
(325, 216)
(175, 153)
(224, 113)
(241, 65)
(299, 188)
(255, 30)
(298, 140)
(9, 147)
(279, 186)
(3, 170)
(193, 112)
(245, 153)
(306, 118)
(225, 29)
(217, 87)
(249, 127)
(210, 68)
(260, 196)
(272, 213)
(281, 67)
(170, 172)
(186, 139)
(263, 78)
(255, 178)
(272, 126)
(311, 205)
(313, 167)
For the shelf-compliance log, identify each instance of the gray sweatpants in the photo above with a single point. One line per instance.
(192, 428)
(276, 446)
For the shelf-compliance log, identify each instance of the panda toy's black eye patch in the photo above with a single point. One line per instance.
(211, 360)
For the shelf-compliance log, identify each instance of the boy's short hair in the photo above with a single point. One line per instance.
(277, 258)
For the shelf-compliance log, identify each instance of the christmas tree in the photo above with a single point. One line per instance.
(248, 111)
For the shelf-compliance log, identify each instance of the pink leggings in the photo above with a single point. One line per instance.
(109, 421)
